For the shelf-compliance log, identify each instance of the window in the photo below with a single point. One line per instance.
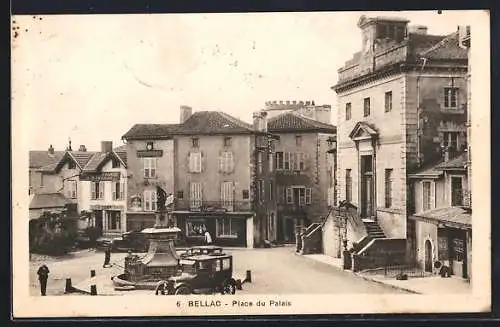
(271, 191)
(226, 264)
(260, 190)
(113, 220)
(456, 191)
(281, 194)
(227, 195)
(149, 167)
(427, 195)
(289, 195)
(226, 162)
(227, 141)
(41, 180)
(97, 190)
(302, 161)
(348, 185)
(259, 162)
(196, 227)
(348, 111)
(298, 140)
(195, 162)
(388, 101)
(149, 200)
(226, 228)
(308, 195)
(72, 189)
(118, 191)
(195, 195)
(279, 160)
(366, 107)
(388, 188)
(115, 163)
(195, 142)
(271, 163)
(286, 165)
(451, 139)
(245, 194)
(451, 97)
(180, 194)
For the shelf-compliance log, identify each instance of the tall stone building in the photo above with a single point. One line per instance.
(303, 164)
(401, 101)
(216, 169)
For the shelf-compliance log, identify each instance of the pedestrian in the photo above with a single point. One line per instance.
(107, 257)
(43, 275)
(208, 238)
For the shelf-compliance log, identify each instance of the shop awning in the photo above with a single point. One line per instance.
(456, 217)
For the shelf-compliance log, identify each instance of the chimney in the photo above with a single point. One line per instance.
(106, 146)
(260, 121)
(51, 149)
(82, 148)
(186, 112)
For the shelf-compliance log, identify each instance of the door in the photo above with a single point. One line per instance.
(99, 220)
(289, 230)
(428, 256)
(366, 186)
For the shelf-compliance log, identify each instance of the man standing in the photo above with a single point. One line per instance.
(208, 238)
(43, 275)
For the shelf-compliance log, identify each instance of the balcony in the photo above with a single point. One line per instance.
(460, 198)
(212, 206)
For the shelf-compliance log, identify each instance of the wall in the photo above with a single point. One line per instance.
(210, 177)
(439, 193)
(164, 168)
(330, 237)
(426, 231)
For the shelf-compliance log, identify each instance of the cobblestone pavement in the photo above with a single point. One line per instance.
(274, 271)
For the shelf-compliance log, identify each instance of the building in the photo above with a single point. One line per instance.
(303, 170)
(401, 100)
(442, 217)
(39, 159)
(46, 202)
(216, 168)
(103, 188)
(308, 109)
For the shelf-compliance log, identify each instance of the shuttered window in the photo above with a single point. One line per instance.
(195, 195)
(227, 195)
(195, 162)
(149, 167)
(149, 200)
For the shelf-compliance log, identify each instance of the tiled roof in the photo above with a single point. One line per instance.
(447, 48)
(454, 216)
(201, 122)
(121, 148)
(40, 159)
(100, 158)
(459, 162)
(290, 121)
(48, 200)
(81, 157)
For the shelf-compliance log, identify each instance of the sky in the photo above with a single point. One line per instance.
(90, 78)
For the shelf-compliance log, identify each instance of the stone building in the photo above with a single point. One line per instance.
(303, 169)
(401, 100)
(308, 109)
(40, 159)
(217, 171)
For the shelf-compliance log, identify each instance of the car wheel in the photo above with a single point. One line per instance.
(182, 290)
(228, 288)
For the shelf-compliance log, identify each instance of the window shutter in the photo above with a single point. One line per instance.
(221, 163)
(101, 190)
(115, 186)
(92, 186)
(231, 161)
(289, 195)
(433, 195)
(122, 191)
(201, 162)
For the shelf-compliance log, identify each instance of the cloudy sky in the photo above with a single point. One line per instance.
(91, 77)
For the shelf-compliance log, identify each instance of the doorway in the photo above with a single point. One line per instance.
(367, 188)
(98, 222)
(428, 256)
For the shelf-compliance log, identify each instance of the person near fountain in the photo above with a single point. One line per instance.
(208, 238)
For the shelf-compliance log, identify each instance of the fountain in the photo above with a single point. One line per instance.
(161, 260)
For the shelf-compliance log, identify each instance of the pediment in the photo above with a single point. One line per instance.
(363, 131)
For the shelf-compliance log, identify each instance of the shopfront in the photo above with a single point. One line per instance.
(109, 219)
(225, 229)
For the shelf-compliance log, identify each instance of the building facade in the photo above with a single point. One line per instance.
(217, 177)
(40, 159)
(303, 165)
(401, 101)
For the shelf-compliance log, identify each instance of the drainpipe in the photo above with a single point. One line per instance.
(418, 111)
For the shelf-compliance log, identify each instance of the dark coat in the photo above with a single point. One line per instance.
(43, 272)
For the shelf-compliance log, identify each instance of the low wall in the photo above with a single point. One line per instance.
(381, 253)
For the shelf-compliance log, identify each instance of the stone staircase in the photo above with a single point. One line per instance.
(373, 229)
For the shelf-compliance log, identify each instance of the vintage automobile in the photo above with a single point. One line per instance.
(202, 274)
(133, 241)
(203, 249)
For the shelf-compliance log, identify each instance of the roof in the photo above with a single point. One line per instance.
(447, 48)
(458, 162)
(452, 216)
(40, 159)
(363, 129)
(199, 123)
(122, 156)
(99, 159)
(121, 148)
(293, 122)
(429, 172)
(48, 200)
